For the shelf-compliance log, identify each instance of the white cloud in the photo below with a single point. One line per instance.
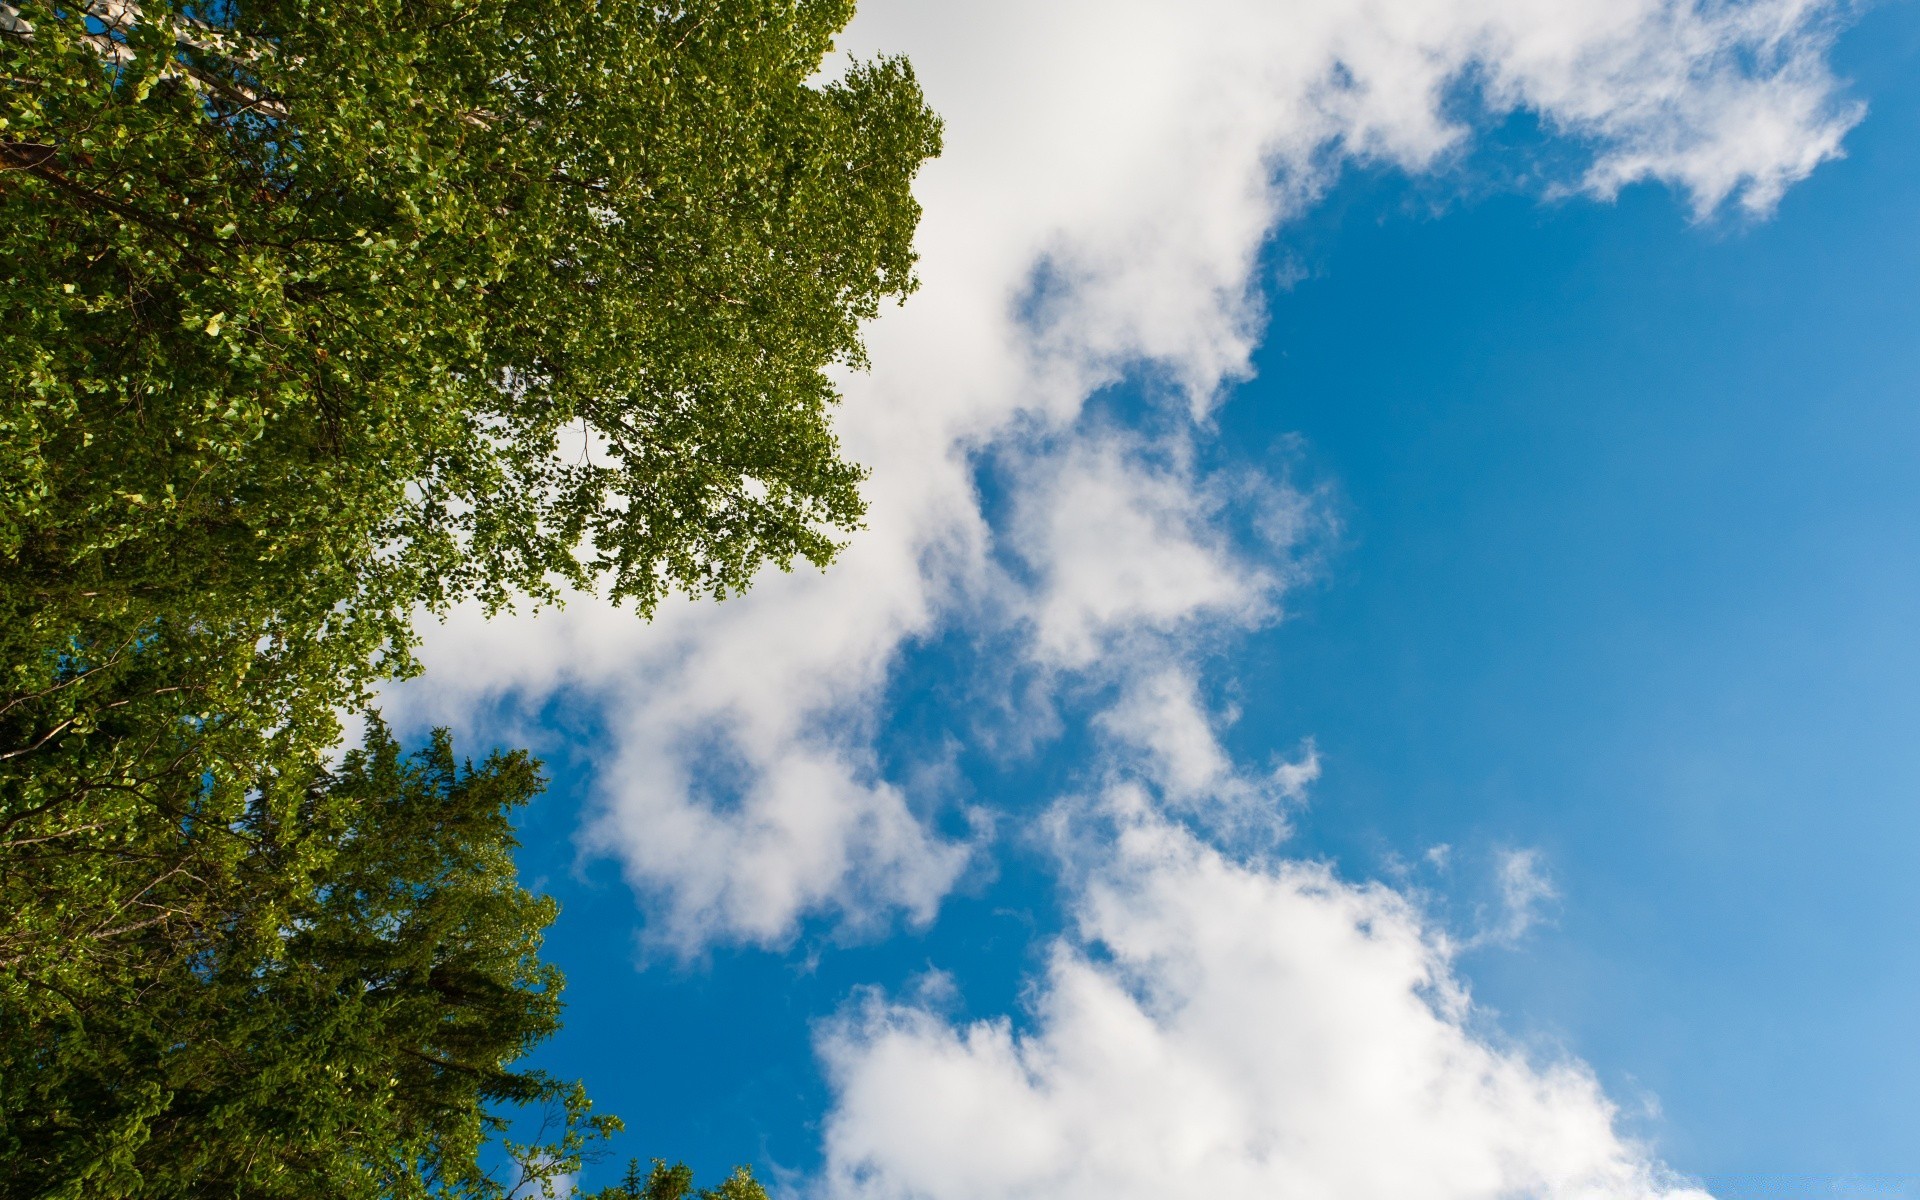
(1112, 171)
(1162, 715)
(1162, 731)
(1120, 546)
(813, 835)
(1525, 890)
(1217, 1028)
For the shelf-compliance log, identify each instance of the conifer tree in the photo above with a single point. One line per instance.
(325, 998)
(663, 1182)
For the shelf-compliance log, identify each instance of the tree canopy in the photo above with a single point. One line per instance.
(321, 998)
(317, 313)
(662, 1182)
(313, 317)
(460, 295)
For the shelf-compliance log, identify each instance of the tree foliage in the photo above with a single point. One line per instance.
(676, 1183)
(321, 996)
(313, 313)
(502, 283)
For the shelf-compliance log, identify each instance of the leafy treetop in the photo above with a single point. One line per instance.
(315, 313)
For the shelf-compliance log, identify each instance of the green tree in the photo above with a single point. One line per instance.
(312, 314)
(676, 1183)
(484, 296)
(323, 998)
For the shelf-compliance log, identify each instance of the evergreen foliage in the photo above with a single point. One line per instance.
(676, 1183)
(320, 998)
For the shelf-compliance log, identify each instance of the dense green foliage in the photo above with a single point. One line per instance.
(676, 1183)
(321, 998)
(313, 317)
(504, 282)
(313, 314)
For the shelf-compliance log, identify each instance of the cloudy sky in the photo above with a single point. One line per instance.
(1382, 663)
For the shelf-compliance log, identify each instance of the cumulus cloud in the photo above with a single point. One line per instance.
(1119, 546)
(1161, 729)
(1113, 170)
(814, 835)
(1212, 1027)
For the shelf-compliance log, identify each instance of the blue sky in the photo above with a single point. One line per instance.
(1632, 556)
(1479, 507)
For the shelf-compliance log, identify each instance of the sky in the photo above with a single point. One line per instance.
(1381, 660)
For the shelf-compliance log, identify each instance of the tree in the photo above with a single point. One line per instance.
(676, 1183)
(323, 999)
(472, 286)
(313, 314)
